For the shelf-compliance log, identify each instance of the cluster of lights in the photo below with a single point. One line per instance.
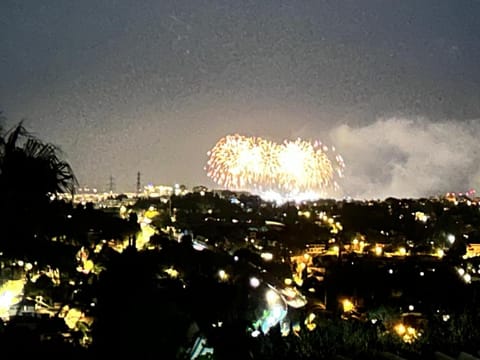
(85, 265)
(223, 275)
(335, 226)
(10, 294)
(464, 275)
(358, 245)
(421, 216)
(407, 333)
(347, 306)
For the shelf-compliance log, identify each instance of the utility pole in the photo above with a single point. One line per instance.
(138, 184)
(111, 185)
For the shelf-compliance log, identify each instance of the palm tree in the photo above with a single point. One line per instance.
(30, 172)
(32, 167)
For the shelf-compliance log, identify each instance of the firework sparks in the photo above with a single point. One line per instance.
(293, 168)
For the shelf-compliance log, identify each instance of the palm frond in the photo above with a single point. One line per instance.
(25, 158)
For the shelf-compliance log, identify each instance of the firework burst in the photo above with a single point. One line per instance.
(292, 168)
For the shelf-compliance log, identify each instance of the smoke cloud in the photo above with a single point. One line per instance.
(408, 158)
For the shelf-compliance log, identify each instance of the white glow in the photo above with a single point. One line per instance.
(271, 296)
(254, 282)
(267, 256)
(451, 238)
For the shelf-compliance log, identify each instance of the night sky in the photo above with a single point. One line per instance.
(150, 86)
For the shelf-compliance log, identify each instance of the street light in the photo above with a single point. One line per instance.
(451, 238)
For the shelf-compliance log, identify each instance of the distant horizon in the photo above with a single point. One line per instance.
(468, 193)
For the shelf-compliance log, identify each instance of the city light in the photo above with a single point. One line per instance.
(310, 322)
(171, 272)
(10, 294)
(223, 276)
(407, 333)
(254, 282)
(400, 329)
(347, 305)
(266, 256)
(451, 238)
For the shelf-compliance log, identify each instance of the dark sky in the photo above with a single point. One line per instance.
(150, 86)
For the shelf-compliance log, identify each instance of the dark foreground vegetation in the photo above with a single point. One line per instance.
(89, 291)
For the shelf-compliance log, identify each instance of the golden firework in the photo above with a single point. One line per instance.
(251, 163)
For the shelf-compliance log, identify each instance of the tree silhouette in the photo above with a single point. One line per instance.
(31, 171)
(31, 167)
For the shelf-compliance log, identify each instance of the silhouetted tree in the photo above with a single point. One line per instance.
(30, 172)
(31, 169)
